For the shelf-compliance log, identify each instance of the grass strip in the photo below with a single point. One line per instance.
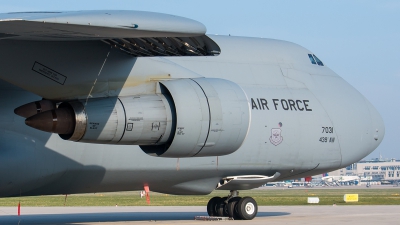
(264, 197)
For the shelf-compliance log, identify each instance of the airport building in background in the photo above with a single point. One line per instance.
(377, 171)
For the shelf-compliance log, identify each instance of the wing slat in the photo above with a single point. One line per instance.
(168, 46)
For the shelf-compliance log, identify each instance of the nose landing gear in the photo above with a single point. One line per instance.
(233, 206)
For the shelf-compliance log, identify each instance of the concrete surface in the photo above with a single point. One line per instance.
(185, 215)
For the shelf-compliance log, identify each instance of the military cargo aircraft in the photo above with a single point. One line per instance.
(104, 101)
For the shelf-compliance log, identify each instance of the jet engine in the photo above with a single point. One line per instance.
(184, 118)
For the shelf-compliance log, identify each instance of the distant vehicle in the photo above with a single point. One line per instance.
(299, 184)
(275, 184)
(340, 178)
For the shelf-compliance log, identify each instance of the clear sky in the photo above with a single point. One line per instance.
(358, 39)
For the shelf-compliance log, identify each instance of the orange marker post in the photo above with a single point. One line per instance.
(19, 208)
(147, 190)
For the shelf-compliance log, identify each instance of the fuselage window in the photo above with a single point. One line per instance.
(318, 61)
(311, 59)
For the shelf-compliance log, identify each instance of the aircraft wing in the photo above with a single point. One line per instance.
(136, 33)
(89, 25)
(66, 49)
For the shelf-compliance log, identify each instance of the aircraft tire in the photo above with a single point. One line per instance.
(221, 207)
(232, 208)
(212, 206)
(247, 208)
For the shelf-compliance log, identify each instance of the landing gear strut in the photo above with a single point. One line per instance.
(233, 206)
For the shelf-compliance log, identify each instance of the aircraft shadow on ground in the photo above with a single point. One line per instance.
(110, 217)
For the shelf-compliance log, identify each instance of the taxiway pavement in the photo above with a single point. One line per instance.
(298, 215)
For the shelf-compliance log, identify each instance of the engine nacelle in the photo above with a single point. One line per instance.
(212, 117)
(185, 118)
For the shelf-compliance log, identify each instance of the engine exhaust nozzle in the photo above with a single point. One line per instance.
(34, 108)
(60, 121)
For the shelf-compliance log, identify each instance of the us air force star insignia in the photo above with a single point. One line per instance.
(276, 137)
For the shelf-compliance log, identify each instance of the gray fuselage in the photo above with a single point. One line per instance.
(305, 119)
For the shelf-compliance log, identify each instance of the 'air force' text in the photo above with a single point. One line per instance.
(285, 104)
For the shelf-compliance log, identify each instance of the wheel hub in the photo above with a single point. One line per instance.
(249, 208)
